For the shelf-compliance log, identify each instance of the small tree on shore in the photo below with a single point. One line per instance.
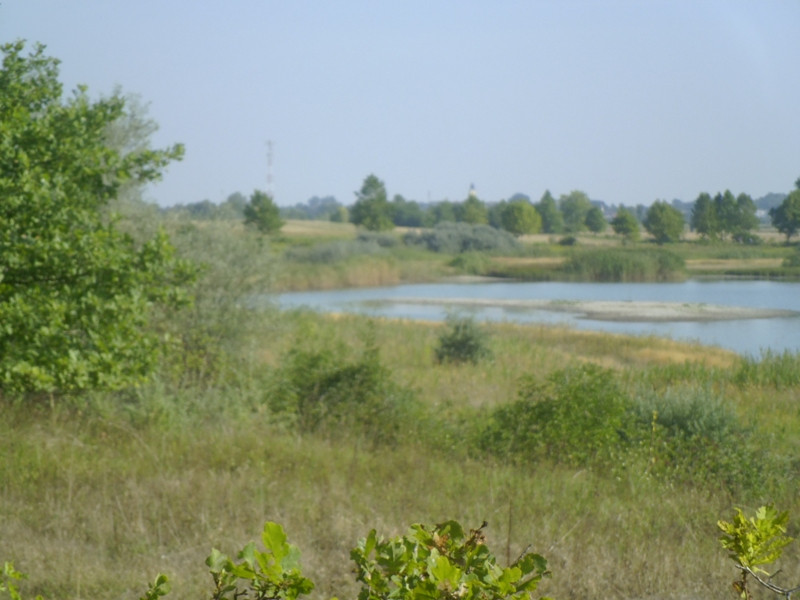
(262, 213)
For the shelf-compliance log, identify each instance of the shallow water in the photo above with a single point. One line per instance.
(745, 336)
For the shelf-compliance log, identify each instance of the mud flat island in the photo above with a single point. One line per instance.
(628, 311)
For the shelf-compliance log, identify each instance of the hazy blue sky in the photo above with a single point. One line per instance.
(630, 101)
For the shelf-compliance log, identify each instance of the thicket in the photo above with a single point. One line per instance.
(454, 238)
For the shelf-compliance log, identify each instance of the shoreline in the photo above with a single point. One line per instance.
(623, 311)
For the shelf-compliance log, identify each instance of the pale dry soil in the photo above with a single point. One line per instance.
(604, 310)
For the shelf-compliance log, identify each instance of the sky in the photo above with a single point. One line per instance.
(628, 100)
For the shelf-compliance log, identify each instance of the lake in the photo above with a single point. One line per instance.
(745, 336)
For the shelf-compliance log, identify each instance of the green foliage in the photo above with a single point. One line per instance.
(664, 222)
(273, 574)
(372, 210)
(626, 225)
(724, 214)
(76, 294)
(695, 435)
(786, 217)
(753, 543)
(8, 582)
(324, 390)
(574, 207)
(778, 370)
(472, 211)
(519, 217)
(452, 238)
(463, 341)
(442, 563)
(552, 219)
(159, 587)
(262, 213)
(616, 264)
(595, 220)
(473, 263)
(576, 416)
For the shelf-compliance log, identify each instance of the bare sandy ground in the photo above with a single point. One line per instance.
(618, 311)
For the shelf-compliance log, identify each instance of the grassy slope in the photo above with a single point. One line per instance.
(95, 500)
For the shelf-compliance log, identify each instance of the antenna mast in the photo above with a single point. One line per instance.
(270, 191)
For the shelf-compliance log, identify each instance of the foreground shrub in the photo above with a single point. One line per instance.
(453, 238)
(442, 563)
(576, 416)
(619, 264)
(439, 562)
(463, 341)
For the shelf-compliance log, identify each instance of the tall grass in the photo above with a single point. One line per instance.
(335, 425)
(625, 265)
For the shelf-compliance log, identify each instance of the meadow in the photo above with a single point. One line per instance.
(612, 456)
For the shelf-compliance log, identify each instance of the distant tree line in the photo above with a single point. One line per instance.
(723, 216)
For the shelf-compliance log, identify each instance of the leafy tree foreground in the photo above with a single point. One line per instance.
(75, 292)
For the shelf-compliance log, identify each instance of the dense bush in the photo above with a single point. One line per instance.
(453, 238)
(618, 264)
(463, 341)
(695, 435)
(327, 391)
(577, 416)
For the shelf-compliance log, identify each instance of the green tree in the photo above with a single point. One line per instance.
(625, 224)
(596, 220)
(443, 212)
(472, 211)
(407, 213)
(262, 213)
(786, 216)
(746, 219)
(552, 219)
(372, 210)
(704, 217)
(664, 222)
(574, 208)
(519, 217)
(76, 293)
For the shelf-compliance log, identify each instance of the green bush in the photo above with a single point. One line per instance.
(577, 416)
(463, 341)
(453, 238)
(326, 391)
(695, 435)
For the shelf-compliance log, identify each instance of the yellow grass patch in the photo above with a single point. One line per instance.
(725, 264)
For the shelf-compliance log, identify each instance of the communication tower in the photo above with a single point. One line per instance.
(270, 191)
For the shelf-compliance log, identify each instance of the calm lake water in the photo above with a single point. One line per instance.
(746, 336)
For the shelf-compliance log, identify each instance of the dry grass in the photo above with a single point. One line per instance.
(739, 264)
